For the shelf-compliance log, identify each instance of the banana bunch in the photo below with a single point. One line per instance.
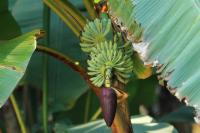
(108, 56)
(122, 14)
(127, 48)
(96, 32)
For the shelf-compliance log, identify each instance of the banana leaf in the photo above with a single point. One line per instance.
(14, 57)
(166, 34)
(171, 42)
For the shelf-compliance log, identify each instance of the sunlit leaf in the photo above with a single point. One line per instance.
(171, 42)
(14, 57)
(141, 124)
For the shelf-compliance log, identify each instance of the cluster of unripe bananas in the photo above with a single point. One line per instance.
(107, 51)
(109, 60)
(110, 52)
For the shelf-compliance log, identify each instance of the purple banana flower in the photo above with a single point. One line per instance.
(108, 101)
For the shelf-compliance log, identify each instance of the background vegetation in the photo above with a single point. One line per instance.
(54, 98)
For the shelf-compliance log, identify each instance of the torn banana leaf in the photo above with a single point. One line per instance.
(170, 41)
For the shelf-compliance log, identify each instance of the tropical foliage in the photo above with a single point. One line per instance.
(121, 45)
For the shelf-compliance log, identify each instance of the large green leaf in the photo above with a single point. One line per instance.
(170, 40)
(141, 124)
(14, 57)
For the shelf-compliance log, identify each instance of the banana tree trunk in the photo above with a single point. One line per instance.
(122, 123)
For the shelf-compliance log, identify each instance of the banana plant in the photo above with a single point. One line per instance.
(126, 38)
(165, 38)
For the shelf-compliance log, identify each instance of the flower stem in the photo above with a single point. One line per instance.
(18, 114)
(96, 114)
(87, 107)
(69, 62)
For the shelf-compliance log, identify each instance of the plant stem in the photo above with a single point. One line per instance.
(45, 71)
(18, 114)
(28, 107)
(70, 9)
(69, 20)
(69, 62)
(87, 107)
(96, 114)
(122, 122)
(90, 8)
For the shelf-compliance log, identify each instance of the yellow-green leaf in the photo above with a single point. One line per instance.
(14, 57)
